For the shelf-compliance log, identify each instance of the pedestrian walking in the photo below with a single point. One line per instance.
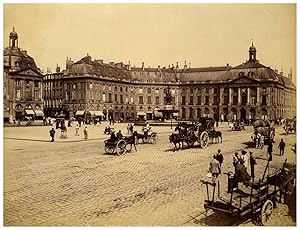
(52, 134)
(244, 159)
(77, 130)
(220, 157)
(281, 147)
(85, 133)
(214, 168)
(270, 150)
(252, 163)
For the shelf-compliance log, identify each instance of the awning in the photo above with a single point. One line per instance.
(149, 112)
(175, 114)
(97, 113)
(158, 114)
(29, 112)
(79, 113)
(39, 113)
(141, 113)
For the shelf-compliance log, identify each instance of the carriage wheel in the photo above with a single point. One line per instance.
(204, 138)
(120, 147)
(266, 212)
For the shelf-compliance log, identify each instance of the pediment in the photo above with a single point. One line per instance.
(243, 80)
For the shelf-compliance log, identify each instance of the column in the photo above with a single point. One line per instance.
(230, 95)
(258, 95)
(239, 96)
(248, 95)
(221, 96)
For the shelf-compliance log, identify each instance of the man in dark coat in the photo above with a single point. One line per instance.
(52, 134)
(220, 157)
(270, 150)
(252, 163)
(281, 147)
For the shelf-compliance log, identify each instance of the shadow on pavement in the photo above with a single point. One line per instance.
(249, 144)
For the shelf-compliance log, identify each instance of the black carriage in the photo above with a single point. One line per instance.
(119, 146)
(258, 200)
(199, 132)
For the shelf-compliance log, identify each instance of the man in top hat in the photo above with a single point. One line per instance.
(220, 157)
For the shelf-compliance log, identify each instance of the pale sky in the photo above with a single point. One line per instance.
(157, 34)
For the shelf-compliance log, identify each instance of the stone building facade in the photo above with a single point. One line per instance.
(247, 91)
(23, 83)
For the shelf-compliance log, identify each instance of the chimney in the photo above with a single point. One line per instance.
(24, 52)
(177, 66)
(172, 66)
(281, 72)
(57, 69)
(99, 61)
(129, 66)
(143, 68)
(111, 63)
(158, 68)
(69, 63)
(275, 70)
(185, 66)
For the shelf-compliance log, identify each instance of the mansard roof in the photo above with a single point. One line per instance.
(219, 74)
(21, 57)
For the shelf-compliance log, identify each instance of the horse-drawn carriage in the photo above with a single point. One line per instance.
(236, 126)
(199, 132)
(148, 136)
(108, 130)
(290, 126)
(119, 146)
(263, 133)
(257, 198)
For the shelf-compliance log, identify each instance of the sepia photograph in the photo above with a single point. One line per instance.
(141, 114)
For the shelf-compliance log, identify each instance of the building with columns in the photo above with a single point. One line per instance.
(23, 83)
(244, 92)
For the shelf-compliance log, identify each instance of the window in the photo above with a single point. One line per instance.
(199, 100)
(191, 91)
(121, 99)
(183, 100)
(215, 90)
(149, 100)
(18, 82)
(91, 85)
(149, 90)
(109, 98)
(207, 90)
(116, 88)
(27, 82)
(126, 99)
(253, 101)
(18, 94)
(36, 84)
(191, 100)
(264, 100)
(141, 100)
(36, 94)
(116, 98)
(121, 88)
(215, 100)
(103, 97)
(156, 90)
(74, 86)
(140, 90)
(206, 100)
(157, 100)
(226, 101)
(109, 88)
(131, 100)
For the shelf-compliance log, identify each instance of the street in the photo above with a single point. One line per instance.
(72, 182)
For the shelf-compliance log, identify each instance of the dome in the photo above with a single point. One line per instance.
(252, 48)
(13, 34)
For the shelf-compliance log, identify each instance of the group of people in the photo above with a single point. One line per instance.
(241, 163)
(64, 130)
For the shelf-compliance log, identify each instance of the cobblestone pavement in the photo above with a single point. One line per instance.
(72, 182)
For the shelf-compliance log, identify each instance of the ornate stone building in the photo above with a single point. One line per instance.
(23, 83)
(247, 91)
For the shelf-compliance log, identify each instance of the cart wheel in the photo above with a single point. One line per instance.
(266, 212)
(204, 138)
(272, 135)
(120, 147)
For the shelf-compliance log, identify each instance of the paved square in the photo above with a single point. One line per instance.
(71, 182)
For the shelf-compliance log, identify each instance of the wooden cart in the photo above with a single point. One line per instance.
(258, 202)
